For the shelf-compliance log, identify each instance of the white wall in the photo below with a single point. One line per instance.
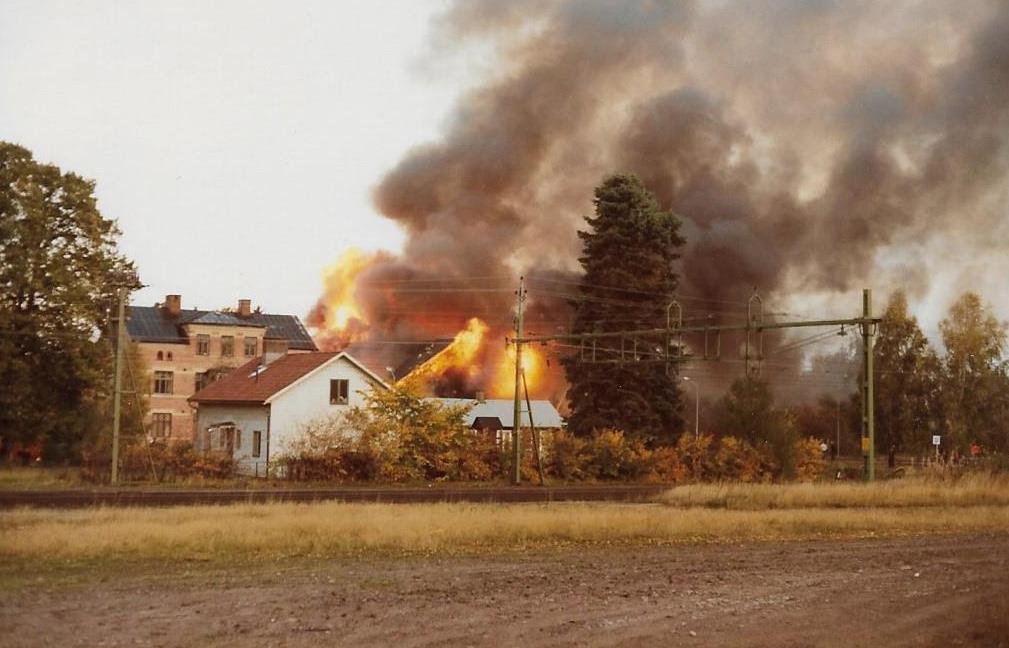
(309, 399)
(247, 419)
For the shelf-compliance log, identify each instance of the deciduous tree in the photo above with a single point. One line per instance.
(975, 386)
(59, 265)
(907, 372)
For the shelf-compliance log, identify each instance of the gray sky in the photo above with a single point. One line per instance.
(235, 142)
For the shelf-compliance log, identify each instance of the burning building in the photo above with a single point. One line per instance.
(811, 148)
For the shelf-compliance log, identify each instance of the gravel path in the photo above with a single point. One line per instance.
(922, 591)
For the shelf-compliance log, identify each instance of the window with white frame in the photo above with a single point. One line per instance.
(338, 391)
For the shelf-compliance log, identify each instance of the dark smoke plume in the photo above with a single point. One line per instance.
(810, 147)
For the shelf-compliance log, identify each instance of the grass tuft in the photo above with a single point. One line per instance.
(970, 490)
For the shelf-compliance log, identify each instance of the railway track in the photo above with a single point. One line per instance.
(78, 498)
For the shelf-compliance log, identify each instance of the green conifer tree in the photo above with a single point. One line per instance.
(628, 256)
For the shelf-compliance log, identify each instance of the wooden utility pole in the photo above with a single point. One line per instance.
(517, 413)
(536, 435)
(868, 414)
(117, 395)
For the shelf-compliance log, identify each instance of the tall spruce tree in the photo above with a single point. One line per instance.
(628, 256)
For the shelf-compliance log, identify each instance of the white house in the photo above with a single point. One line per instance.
(258, 409)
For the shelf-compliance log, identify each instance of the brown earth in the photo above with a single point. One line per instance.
(918, 591)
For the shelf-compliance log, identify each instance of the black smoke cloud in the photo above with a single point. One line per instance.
(810, 148)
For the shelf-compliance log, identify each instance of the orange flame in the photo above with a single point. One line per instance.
(341, 311)
(461, 354)
(534, 364)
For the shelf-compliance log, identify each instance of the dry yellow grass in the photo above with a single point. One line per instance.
(333, 529)
(38, 477)
(972, 490)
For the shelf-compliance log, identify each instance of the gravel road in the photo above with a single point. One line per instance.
(916, 591)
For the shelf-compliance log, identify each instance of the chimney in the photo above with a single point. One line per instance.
(273, 349)
(244, 307)
(481, 397)
(173, 304)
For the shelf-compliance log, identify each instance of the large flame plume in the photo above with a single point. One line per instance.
(459, 362)
(338, 317)
(887, 165)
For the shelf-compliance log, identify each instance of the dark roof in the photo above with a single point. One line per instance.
(402, 358)
(255, 383)
(227, 319)
(154, 324)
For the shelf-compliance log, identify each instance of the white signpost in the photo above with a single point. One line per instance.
(936, 439)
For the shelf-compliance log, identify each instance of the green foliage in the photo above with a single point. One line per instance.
(975, 390)
(907, 372)
(748, 412)
(58, 267)
(628, 255)
(395, 436)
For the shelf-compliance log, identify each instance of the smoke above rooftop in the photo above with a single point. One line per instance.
(810, 147)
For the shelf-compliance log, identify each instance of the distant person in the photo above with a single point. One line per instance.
(975, 450)
(824, 448)
(891, 457)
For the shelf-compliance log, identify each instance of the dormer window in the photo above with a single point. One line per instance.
(338, 390)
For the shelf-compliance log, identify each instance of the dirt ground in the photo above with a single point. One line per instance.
(924, 591)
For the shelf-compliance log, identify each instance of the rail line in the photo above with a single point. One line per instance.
(79, 498)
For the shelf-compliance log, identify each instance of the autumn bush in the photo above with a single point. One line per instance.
(140, 461)
(396, 436)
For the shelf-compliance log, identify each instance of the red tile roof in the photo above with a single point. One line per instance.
(243, 385)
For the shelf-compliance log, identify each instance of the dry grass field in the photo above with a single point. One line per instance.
(702, 513)
(918, 563)
(971, 490)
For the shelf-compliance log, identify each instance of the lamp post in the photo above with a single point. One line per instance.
(697, 406)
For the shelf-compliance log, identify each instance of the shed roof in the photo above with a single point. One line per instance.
(545, 415)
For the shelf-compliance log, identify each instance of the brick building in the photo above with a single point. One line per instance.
(184, 350)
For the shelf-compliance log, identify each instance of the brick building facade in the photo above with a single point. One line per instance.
(184, 350)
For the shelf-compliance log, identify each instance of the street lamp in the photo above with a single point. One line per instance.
(697, 406)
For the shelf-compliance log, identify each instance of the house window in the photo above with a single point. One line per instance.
(338, 390)
(238, 439)
(169, 355)
(203, 344)
(250, 347)
(161, 425)
(227, 346)
(201, 380)
(257, 443)
(163, 382)
(161, 355)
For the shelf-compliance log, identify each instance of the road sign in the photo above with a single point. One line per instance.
(936, 439)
